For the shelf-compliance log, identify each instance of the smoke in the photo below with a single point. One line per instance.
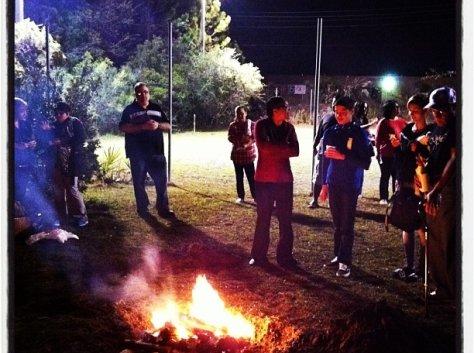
(135, 286)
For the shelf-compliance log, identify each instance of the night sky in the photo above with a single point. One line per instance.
(359, 37)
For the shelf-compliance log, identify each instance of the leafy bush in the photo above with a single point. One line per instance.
(112, 166)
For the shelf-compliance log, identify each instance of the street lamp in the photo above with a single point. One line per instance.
(389, 84)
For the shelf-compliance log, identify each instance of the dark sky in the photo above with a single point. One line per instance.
(359, 37)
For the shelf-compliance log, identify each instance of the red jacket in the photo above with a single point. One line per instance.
(275, 144)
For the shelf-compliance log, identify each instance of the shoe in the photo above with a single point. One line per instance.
(82, 222)
(383, 202)
(79, 221)
(343, 271)
(313, 204)
(333, 263)
(166, 214)
(403, 273)
(412, 278)
(239, 201)
(258, 262)
(288, 262)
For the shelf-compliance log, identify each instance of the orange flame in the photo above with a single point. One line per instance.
(206, 311)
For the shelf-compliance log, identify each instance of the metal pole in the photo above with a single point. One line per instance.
(194, 122)
(317, 80)
(203, 25)
(311, 106)
(170, 95)
(48, 76)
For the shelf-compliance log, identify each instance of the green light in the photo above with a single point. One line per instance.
(389, 83)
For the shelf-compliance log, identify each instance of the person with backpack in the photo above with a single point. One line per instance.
(68, 140)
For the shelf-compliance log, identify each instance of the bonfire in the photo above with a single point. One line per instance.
(205, 323)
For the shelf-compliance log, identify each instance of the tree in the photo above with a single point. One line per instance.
(31, 81)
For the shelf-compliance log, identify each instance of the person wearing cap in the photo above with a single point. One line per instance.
(68, 140)
(143, 123)
(327, 121)
(347, 152)
(276, 143)
(440, 204)
(241, 135)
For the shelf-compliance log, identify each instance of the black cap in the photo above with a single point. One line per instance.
(442, 98)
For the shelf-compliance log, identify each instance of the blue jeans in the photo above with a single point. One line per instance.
(343, 205)
(266, 195)
(155, 166)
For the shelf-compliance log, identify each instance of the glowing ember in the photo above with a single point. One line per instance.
(206, 311)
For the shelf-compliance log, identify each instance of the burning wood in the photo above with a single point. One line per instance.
(203, 325)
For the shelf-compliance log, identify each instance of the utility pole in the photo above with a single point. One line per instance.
(19, 10)
(317, 80)
(203, 25)
(170, 94)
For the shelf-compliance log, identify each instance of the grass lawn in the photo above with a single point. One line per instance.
(88, 295)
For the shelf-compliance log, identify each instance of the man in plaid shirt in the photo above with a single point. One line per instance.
(241, 135)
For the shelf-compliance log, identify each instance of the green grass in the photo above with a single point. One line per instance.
(71, 297)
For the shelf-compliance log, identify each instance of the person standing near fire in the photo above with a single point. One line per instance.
(440, 204)
(241, 135)
(143, 123)
(276, 143)
(347, 152)
(68, 139)
(327, 121)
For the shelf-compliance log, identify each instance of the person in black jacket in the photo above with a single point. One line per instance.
(69, 138)
(409, 164)
(143, 123)
(326, 122)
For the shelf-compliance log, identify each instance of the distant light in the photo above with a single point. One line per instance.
(389, 83)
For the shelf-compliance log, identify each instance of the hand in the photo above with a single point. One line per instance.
(332, 153)
(395, 142)
(423, 139)
(413, 146)
(31, 144)
(431, 203)
(323, 195)
(45, 126)
(150, 125)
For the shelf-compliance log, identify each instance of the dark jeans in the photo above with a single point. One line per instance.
(239, 178)
(156, 167)
(343, 205)
(387, 169)
(266, 195)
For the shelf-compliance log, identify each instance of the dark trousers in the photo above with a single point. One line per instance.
(441, 242)
(239, 178)
(67, 197)
(156, 167)
(266, 195)
(343, 205)
(386, 170)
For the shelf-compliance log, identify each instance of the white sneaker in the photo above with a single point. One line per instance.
(343, 271)
(239, 201)
(383, 202)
